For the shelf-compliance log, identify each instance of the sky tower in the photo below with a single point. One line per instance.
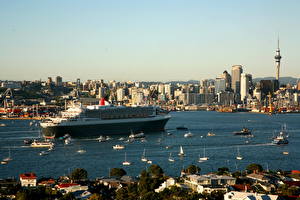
(277, 61)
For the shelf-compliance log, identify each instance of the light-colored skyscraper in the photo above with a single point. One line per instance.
(245, 85)
(277, 61)
(120, 94)
(236, 72)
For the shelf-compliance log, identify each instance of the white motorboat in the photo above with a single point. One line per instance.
(118, 147)
(138, 135)
(37, 144)
(42, 153)
(211, 133)
(189, 134)
(101, 138)
(81, 151)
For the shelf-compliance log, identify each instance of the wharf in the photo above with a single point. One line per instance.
(21, 118)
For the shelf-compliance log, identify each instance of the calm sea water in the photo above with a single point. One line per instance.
(221, 149)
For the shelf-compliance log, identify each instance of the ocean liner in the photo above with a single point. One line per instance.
(95, 120)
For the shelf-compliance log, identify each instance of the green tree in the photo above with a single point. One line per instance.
(68, 196)
(78, 174)
(150, 196)
(236, 174)
(192, 169)
(223, 171)
(96, 196)
(117, 172)
(254, 168)
(155, 171)
(121, 194)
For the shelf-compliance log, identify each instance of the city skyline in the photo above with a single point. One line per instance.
(150, 41)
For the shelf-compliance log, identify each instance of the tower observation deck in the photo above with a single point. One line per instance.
(277, 61)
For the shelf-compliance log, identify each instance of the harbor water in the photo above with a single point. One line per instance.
(100, 157)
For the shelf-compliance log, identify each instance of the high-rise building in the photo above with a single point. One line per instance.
(78, 83)
(277, 61)
(236, 72)
(227, 78)
(49, 81)
(58, 81)
(220, 85)
(246, 80)
(120, 94)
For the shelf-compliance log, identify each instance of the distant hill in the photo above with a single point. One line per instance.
(283, 80)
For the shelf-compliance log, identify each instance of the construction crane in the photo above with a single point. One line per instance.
(7, 99)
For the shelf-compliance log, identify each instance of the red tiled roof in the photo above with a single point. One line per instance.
(295, 172)
(292, 183)
(241, 187)
(28, 176)
(65, 185)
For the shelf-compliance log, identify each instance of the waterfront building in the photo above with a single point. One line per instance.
(225, 98)
(208, 183)
(167, 184)
(28, 179)
(234, 195)
(257, 93)
(236, 72)
(246, 80)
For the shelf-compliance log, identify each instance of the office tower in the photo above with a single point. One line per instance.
(78, 83)
(277, 61)
(161, 88)
(120, 94)
(220, 85)
(49, 81)
(246, 80)
(58, 81)
(236, 72)
(227, 78)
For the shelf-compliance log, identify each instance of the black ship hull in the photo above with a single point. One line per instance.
(114, 128)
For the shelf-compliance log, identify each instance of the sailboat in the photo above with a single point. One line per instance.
(181, 153)
(170, 158)
(144, 159)
(239, 157)
(7, 159)
(125, 161)
(204, 158)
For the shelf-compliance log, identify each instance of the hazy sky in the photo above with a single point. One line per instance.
(146, 40)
